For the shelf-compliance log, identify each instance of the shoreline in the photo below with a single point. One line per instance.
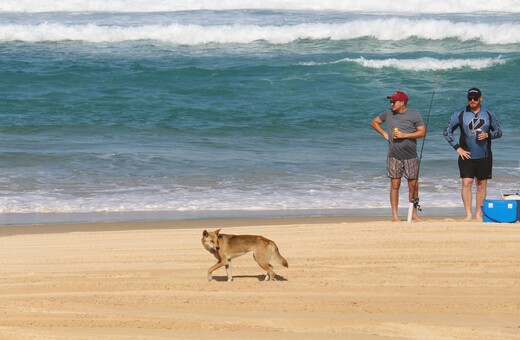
(213, 223)
(26, 219)
(54, 228)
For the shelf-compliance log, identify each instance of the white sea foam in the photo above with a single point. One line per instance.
(420, 64)
(436, 193)
(387, 6)
(191, 34)
(221, 200)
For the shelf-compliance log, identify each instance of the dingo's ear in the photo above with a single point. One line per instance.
(205, 233)
(218, 231)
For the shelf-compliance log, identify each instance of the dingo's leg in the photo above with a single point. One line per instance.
(263, 258)
(269, 269)
(213, 268)
(229, 271)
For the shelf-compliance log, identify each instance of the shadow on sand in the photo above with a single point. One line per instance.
(259, 277)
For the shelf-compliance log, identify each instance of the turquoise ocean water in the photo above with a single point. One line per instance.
(166, 109)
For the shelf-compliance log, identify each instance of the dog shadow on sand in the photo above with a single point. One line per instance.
(260, 277)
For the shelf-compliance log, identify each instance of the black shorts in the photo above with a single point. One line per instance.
(476, 168)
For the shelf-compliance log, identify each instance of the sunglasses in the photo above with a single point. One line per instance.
(475, 99)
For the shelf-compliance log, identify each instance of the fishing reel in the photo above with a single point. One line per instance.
(416, 205)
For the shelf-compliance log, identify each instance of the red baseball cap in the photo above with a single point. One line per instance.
(398, 95)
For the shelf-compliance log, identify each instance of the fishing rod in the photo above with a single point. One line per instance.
(414, 204)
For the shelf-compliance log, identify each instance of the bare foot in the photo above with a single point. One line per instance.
(468, 219)
(479, 218)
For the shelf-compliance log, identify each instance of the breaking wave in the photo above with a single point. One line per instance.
(421, 64)
(381, 6)
(193, 34)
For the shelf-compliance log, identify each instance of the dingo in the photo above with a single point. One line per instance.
(227, 247)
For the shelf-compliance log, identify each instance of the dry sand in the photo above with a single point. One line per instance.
(348, 278)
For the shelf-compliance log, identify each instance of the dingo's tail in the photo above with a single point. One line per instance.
(280, 258)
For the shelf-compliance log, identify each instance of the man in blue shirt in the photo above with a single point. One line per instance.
(478, 126)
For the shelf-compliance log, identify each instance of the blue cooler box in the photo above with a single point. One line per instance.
(501, 211)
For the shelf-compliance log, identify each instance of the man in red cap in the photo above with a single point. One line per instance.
(404, 127)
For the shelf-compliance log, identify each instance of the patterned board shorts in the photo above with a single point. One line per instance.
(396, 168)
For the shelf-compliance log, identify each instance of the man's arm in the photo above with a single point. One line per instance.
(496, 131)
(452, 124)
(376, 125)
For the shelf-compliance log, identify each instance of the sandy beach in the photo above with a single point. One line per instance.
(348, 278)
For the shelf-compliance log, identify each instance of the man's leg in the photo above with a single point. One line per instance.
(413, 193)
(481, 195)
(467, 184)
(395, 184)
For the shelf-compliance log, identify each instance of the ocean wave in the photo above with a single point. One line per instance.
(386, 6)
(420, 64)
(381, 29)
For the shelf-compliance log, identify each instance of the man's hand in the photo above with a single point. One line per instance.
(483, 135)
(463, 153)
